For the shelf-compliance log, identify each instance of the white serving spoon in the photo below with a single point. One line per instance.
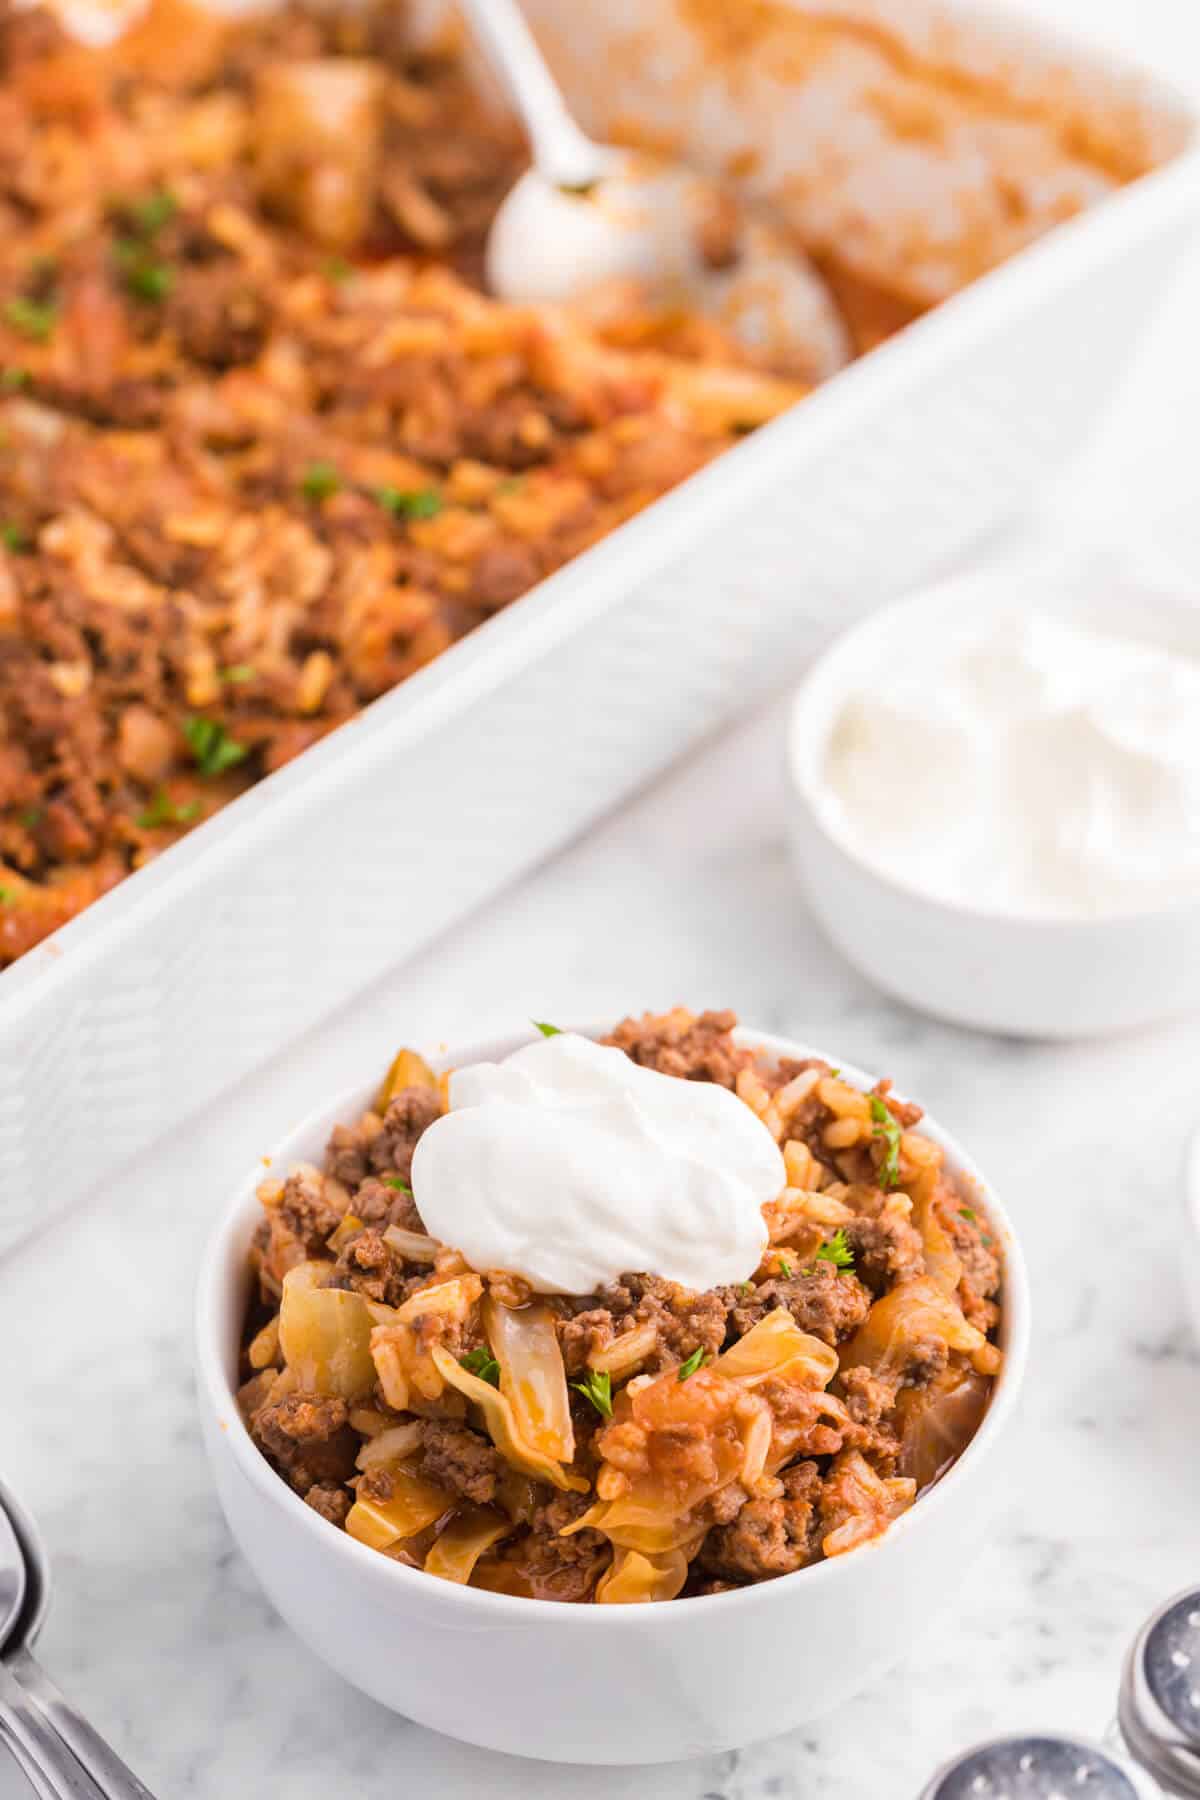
(587, 214)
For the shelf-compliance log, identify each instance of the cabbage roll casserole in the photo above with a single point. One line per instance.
(813, 1343)
(266, 445)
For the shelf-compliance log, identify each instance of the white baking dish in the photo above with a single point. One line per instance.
(171, 988)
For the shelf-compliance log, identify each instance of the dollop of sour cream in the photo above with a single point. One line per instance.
(1034, 767)
(571, 1165)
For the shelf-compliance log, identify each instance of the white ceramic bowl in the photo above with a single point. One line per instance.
(592, 1684)
(1025, 975)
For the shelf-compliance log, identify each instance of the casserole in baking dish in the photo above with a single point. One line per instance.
(909, 157)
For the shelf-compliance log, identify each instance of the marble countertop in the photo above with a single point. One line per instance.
(158, 1629)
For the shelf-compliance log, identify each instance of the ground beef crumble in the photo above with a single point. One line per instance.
(768, 1537)
(459, 1459)
(684, 1321)
(823, 1300)
(367, 1156)
(308, 1438)
(677, 1043)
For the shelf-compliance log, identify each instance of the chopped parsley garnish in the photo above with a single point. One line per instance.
(394, 1181)
(162, 810)
(481, 1362)
(336, 268)
(14, 379)
(986, 1241)
(32, 318)
(13, 537)
(148, 216)
(410, 503)
(837, 1251)
(238, 673)
(6, 894)
(319, 481)
(745, 1287)
(596, 1386)
(783, 1267)
(211, 745)
(144, 275)
(546, 1030)
(31, 817)
(886, 1127)
(964, 1212)
(692, 1364)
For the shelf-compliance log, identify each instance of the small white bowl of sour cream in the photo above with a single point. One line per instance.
(995, 795)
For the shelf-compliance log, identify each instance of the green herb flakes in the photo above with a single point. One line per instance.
(887, 1129)
(546, 1030)
(143, 274)
(694, 1361)
(596, 1387)
(394, 1181)
(320, 481)
(837, 1251)
(481, 1362)
(148, 216)
(410, 503)
(211, 745)
(162, 810)
(34, 319)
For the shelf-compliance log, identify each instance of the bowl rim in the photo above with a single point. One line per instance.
(829, 676)
(216, 1394)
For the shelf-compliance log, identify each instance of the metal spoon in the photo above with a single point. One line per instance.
(588, 214)
(62, 1755)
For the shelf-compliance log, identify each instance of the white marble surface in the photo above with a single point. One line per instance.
(158, 1628)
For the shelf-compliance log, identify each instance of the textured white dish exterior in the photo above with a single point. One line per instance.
(1029, 977)
(175, 986)
(617, 1684)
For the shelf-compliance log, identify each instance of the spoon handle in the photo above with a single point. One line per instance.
(107, 1773)
(41, 1752)
(38, 1782)
(562, 153)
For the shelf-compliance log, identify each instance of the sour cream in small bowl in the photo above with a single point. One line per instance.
(995, 795)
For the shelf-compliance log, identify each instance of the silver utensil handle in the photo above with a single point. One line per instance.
(114, 1780)
(39, 1783)
(40, 1750)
